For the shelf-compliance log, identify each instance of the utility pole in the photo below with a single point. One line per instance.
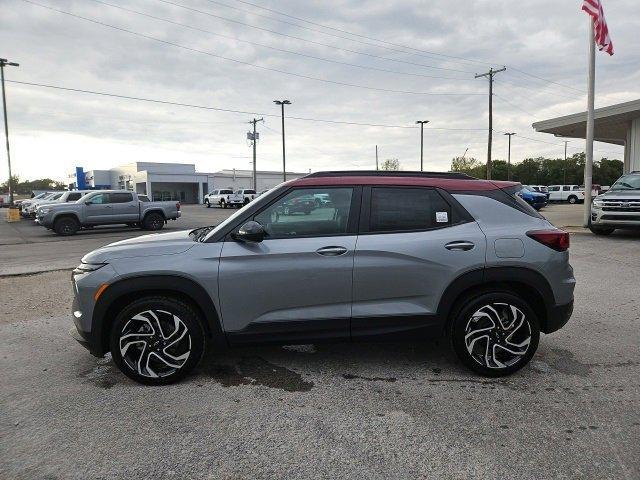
(377, 158)
(490, 75)
(282, 103)
(254, 139)
(4, 62)
(421, 122)
(564, 170)
(509, 156)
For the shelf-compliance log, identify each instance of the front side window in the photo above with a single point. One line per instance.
(554, 189)
(74, 196)
(300, 214)
(143, 198)
(99, 199)
(250, 192)
(225, 192)
(407, 209)
(566, 188)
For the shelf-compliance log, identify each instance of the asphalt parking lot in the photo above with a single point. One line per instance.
(320, 411)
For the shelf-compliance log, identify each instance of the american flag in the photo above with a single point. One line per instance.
(601, 31)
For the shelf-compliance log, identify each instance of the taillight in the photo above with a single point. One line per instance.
(556, 239)
(178, 206)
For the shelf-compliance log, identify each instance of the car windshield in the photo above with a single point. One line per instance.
(627, 182)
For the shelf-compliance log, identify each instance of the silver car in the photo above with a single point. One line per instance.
(388, 256)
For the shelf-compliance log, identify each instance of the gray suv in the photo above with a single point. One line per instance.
(386, 256)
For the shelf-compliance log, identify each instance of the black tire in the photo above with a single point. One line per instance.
(601, 230)
(572, 199)
(66, 226)
(520, 333)
(206, 202)
(153, 221)
(246, 200)
(223, 204)
(157, 359)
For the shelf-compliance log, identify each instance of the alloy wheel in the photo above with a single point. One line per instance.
(155, 343)
(498, 335)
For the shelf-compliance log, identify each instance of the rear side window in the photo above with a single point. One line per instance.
(74, 196)
(518, 202)
(407, 209)
(120, 198)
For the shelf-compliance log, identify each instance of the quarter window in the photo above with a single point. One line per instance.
(407, 209)
(301, 213)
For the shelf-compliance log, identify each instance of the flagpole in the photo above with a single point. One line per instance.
(588, 166)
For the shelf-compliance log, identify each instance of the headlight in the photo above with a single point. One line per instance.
(87, 267)
(43, 211)
(598, 203)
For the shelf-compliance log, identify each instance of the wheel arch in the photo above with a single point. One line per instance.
(153, 210)
(528, 284)
(65, 215)
(123, 292)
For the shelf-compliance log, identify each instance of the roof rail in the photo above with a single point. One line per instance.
(390, 173)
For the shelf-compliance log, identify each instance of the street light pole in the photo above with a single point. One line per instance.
(422, 122)
(282, 103)
(4, 62)
(509, 156)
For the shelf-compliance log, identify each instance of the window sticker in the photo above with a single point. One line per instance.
(442, 217)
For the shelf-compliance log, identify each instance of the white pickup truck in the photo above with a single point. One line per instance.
(224, 198)
(566, 193)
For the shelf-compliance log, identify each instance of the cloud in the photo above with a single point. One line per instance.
(52, 131)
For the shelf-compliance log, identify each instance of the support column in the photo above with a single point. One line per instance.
(632, 148)
(200, 197)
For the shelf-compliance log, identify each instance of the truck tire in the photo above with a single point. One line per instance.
(572, 199)
(66, 226)
(223, 204)
(153, 221)
(601, 230)
(206, 202)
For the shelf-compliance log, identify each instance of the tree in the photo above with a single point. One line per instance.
(27, 186)
(470, 166)
(391, 164)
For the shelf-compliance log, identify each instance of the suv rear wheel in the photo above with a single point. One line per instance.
(157, 340)
(572, 199)
(495, 334)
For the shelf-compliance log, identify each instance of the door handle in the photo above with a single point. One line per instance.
(331, 251)
(460, 245)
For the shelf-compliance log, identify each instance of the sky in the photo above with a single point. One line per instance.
(385, 64)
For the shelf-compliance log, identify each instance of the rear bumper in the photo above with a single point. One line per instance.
(557, 317)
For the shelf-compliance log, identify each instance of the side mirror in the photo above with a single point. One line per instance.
(250, 232)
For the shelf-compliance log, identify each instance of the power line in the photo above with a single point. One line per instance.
(313, 42)
(228, 110)
(385, 43)
(242, 62)
(468, 60)
(282, 50)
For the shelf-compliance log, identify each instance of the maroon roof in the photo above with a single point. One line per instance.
(449, 184)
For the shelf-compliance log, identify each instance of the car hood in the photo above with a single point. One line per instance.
(144, 246)
(620, 195)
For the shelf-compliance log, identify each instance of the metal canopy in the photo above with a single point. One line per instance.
(612, 123)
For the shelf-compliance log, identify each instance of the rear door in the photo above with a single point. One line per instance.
(413, 243)
(296, 284)
(125, 207)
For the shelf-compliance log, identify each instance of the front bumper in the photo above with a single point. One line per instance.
(557, 317)
(618, 218)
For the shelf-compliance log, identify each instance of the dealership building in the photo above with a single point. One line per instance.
(172, 181)
(617, 124)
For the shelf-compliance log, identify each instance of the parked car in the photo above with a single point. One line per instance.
(397, 255)
(540, 189)
(66, 197)
(223, 198)
(25, 204)
(566, 193)
(29, 210)
(537, 200)
(618, 207)
(107, 207)
(248, 195)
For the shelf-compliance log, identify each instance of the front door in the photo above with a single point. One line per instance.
(296, 285)
(412, 245)
(98, 209)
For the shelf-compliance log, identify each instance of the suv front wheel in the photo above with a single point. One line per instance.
(495, 334)
(157, 340)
